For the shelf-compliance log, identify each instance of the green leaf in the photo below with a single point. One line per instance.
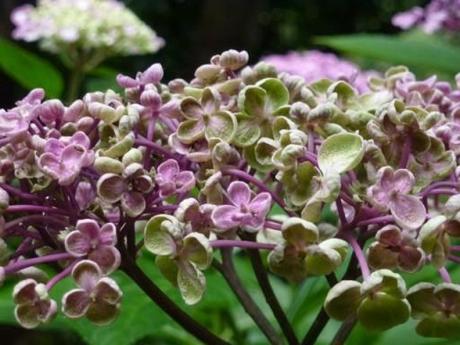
(29, 70)
(428, 54)
(340, 153)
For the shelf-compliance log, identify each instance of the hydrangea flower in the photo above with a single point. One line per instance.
(94, 242)
(64, 158)
(33, 304)
(395, 249)
(60, 25)
(437, 15)
(437, 308)
(97, 297)
(180, 257)
(315, 65)
(172, 180)
(245, 210)
(196, 216)
(379, 302)
(392, 192)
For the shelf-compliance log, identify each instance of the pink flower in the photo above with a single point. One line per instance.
(392, 192)
(33, 304)
(97, 298)
(246, 210)
(172, 180)
(64, 158)
(96, 243)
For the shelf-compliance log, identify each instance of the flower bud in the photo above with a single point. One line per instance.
(151, 99)
(152, 75)
(108, 165)
(233, 60)
(134, 155)
(207, 73)
(50, 111)
(126, 82)
(177, 85)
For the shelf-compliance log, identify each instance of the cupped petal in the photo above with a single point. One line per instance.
(75, 303)
(89, 228)
(157, 238)
(108, 234)
(261, 205)
(107, 290)
(408, 210)
(191, 108)
(343, 299)
(110, 187)
(86, 274)
(101, 313)
(27, 315)
(77, 243)
(167, 170)
(221, 125)
(190, 131)
(185, 181)
(191, 282)
(197, 250)
(133, 203)
(24, 292)
(107, 257)
(239, 193)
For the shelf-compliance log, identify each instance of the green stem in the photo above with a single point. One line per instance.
(75, 80)
(227, 269)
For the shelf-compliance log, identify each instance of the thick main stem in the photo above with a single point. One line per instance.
(269, 294)
(316, 328)
(228, 271)
(168, 306)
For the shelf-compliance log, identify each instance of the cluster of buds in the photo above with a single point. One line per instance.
(239, 157)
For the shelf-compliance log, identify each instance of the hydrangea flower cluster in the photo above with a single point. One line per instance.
(83, 27)
(314, 65)
(438, 15)
(237, 158)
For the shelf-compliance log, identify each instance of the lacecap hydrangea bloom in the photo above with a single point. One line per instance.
(65, 26)
(314, 65)
(182, 173)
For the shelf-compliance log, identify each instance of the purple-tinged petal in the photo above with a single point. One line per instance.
(261, 205)
(84, 195)
(224, 217)
(108, 234)
(167, 171)
(107, 258)
(80, 138)
(24, 291)
(378, 196)
(133, 203)
(408, 210)
(89, 228)
(107, 290)
(77, 244)
(110, 187)
(185, 181)
(75, 303)
(86, 274)
(389, 235)
(27, 315)
(239, 193)
(403, 181)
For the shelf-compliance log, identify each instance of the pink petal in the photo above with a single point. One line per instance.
(261, 205)
(224, 217)
(24, 291)
(75, 303)
(80, 138)
(239, 193)
(408, 210)
(185, 181)
(168, 170)
(403, 181)
(77, 243)
(89, 228)
(133, 203)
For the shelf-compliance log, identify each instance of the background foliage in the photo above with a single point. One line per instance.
(194, 30)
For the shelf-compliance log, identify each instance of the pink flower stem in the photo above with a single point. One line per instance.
(448, 184)
(20, 193)
(150, 134)
(359, 255)
(272, 225)
(251, 179)
(61, 275)
(454, 248)
(241, 244)
(454, 258)
(376, 220)
(341, 212)
(141, 141)
(35, 208)
(406, 151)
(445, 275)
(35, 218)
(441, 191)
(19, 265)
